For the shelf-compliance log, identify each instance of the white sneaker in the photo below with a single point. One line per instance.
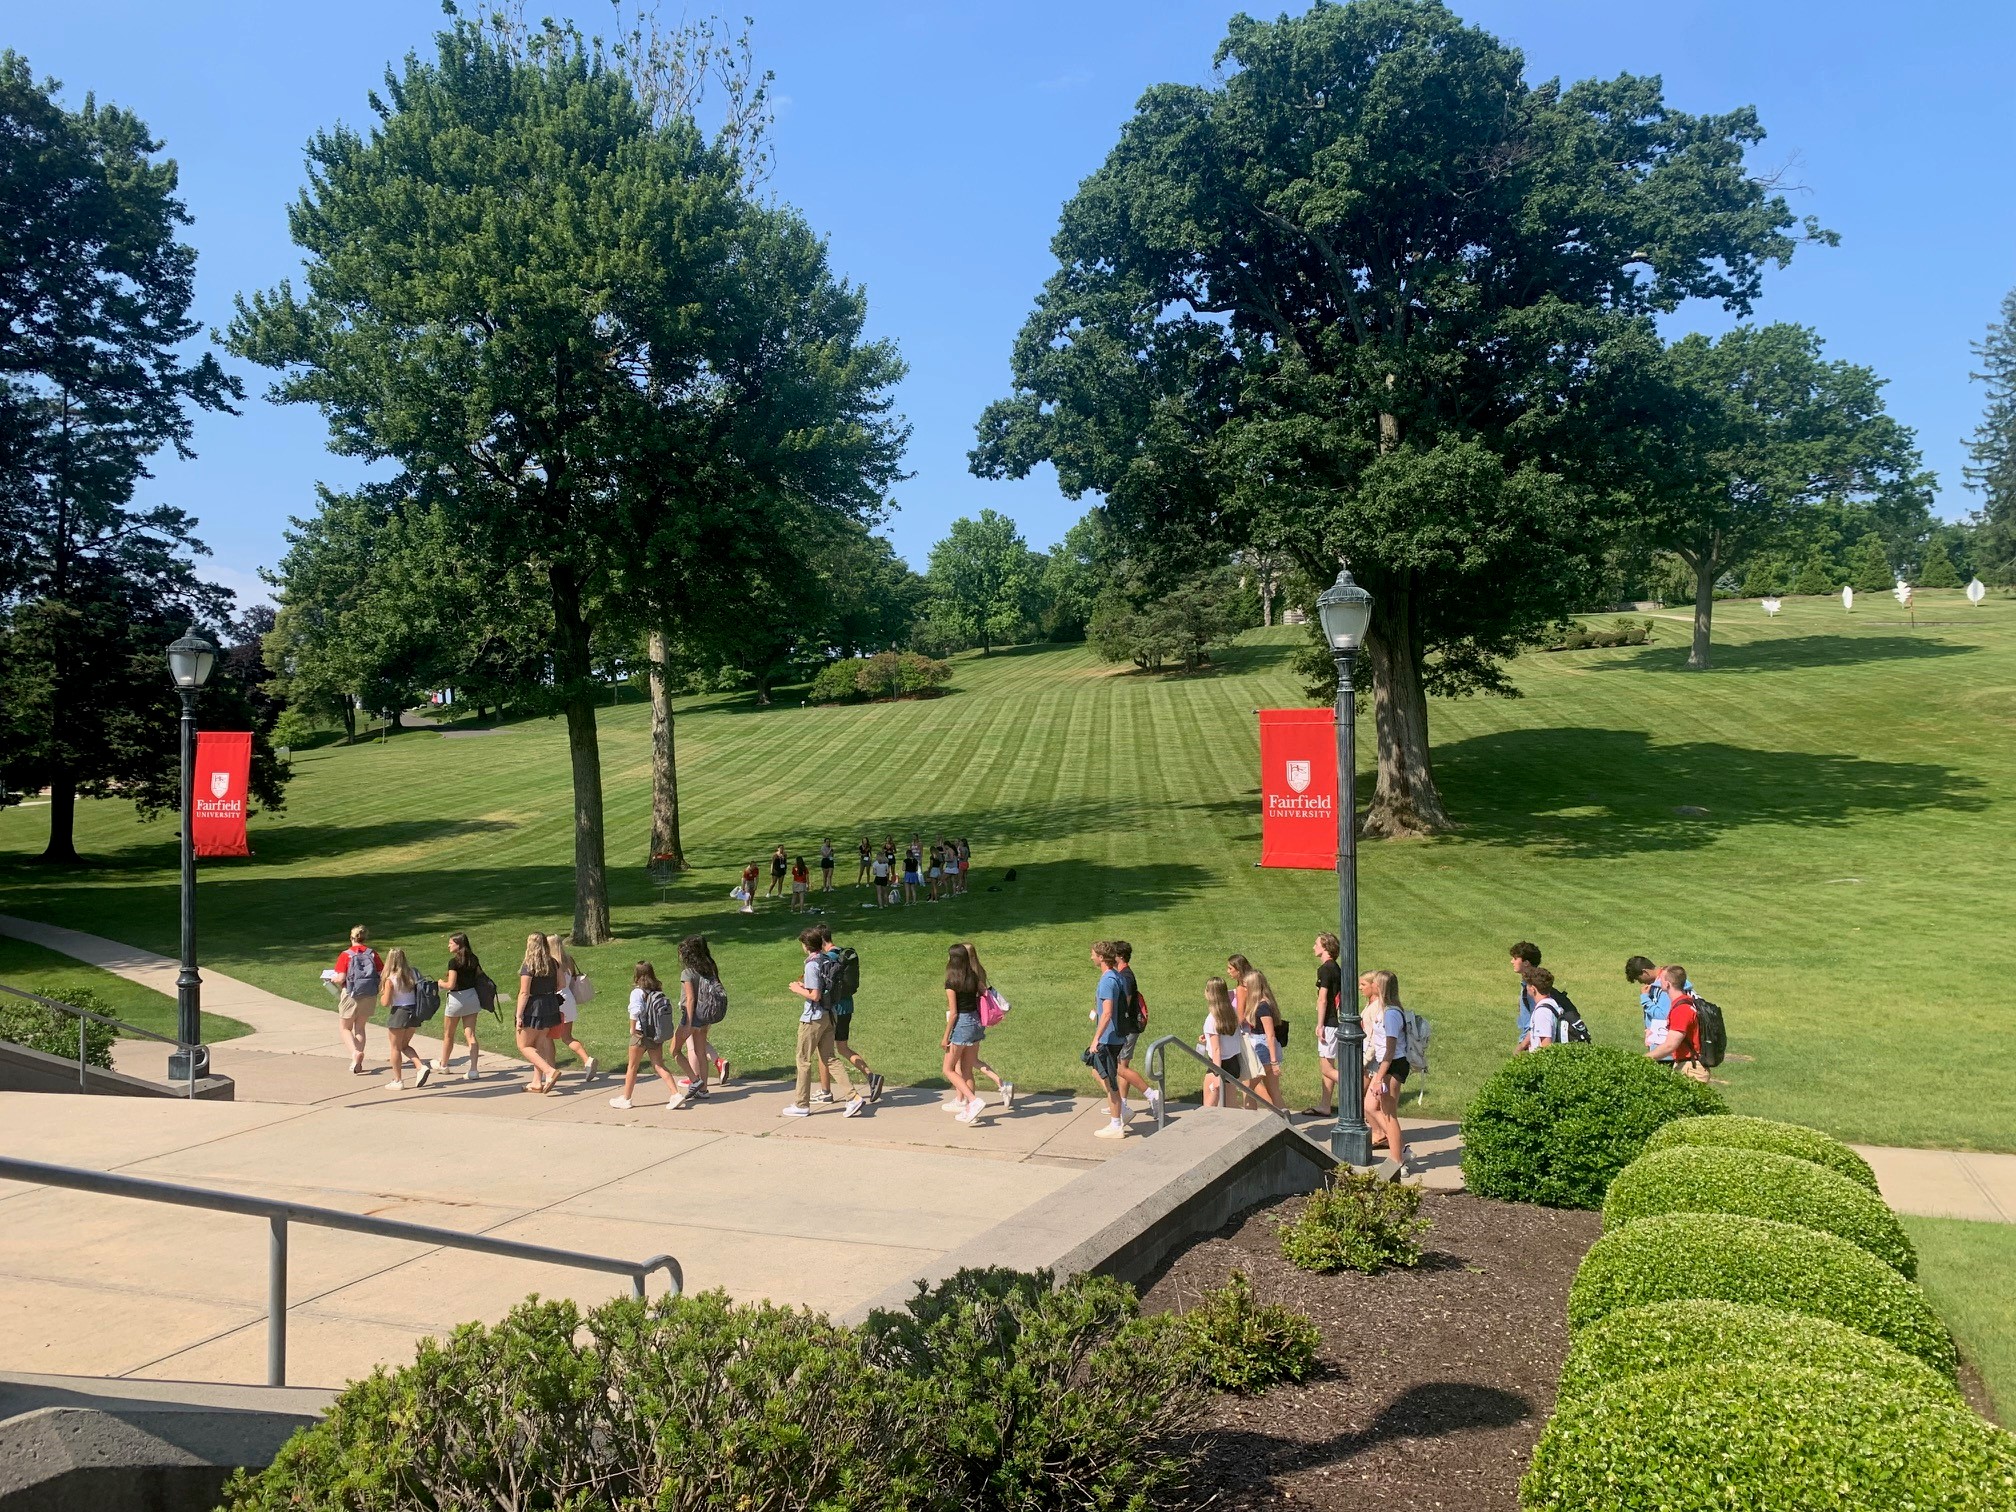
(1154, 1103)
(619, 1102)
(956, 1105)
(470, 1074)
(395, 1085)
(1113, 1130)
(677, 1101)
(594, 1069)
(796, 1110)
(854, 1108)
(1007, 1094)
(971, 1113)
(821, 1095)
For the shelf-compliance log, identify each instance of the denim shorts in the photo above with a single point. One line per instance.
(966, 1029)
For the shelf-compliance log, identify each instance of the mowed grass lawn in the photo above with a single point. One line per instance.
(1845, 895)
(1965, 1269)
(30, 968)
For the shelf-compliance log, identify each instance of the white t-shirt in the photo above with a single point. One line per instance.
(637, 1005)
(1546, 1024)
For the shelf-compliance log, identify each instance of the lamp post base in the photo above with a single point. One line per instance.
(179, 1068)
(1352, 1147)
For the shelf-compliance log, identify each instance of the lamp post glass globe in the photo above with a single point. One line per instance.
(190, 660)
(1345, 610)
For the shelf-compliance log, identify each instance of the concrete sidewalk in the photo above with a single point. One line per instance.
(1945, 1183)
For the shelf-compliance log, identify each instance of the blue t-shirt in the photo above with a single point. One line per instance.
(1654, 1001)
(1525, 1008)
(812, 1012)
(1112, 989)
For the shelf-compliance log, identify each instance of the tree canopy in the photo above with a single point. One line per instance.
(1374, 296)
(985, 579)
(1991, 472)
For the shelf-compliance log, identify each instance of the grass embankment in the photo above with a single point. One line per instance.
(1965, 1267)
(1820, 829)
(30, 968)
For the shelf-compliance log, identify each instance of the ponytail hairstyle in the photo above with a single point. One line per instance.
(539, 960)
(695, 956)
(1218, 998)
(645, 975)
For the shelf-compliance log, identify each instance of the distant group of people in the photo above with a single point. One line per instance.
(1548, 1016)
(936, 871)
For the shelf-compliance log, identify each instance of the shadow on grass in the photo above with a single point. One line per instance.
(1768, 654)
(1610, 793)
(276, 841)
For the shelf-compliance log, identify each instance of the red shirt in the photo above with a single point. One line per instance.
(1682, 1020)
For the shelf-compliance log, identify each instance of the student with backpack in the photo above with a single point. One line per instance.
(815, 1028)
(1110, 1010)
(703, 1003)
(358, 972)
(461, 1002)
(572, 983)
(1223, 1042)
(963, 1032)
(1137, 1019)
(399, 994)
(1683, 1042)
(653, 1022)
(1329, 1005)
(1543, 1021)
(1388, 1074)
(1261, 1017)
(1524, 954)
(538, 1010)
(846, 968)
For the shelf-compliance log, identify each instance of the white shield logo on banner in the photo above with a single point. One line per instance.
(220, 784)
(1298, 776)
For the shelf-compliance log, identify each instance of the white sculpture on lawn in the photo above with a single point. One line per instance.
(1848, 597)
(1902, 593)
(1976, 591)
(1771, 606)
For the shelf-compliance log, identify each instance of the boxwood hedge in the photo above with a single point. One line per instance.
(1756, 1184)
(1759, 1260)
(1677, 1335)
(1555, 1127)
(1734, 1131)
(1768, 1439)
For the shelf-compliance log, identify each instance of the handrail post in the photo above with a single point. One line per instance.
(83, 1081)
(276, 1302)
(1158, 1067)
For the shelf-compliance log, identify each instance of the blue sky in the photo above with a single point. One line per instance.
(933, 145)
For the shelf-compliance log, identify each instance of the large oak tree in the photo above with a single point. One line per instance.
(1375, 296)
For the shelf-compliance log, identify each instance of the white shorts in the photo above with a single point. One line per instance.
(1326, 1043)
(568, 1008)
(463, 1004)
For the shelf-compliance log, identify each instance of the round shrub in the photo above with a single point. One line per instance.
(1245, 1345)
(1678, 1335)
(1760, 1260)
(1768, 1439)
(1555, 1127)
(1736, 1132)
(1702, 1179)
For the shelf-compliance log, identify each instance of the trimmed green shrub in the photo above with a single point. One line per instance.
(1246, 1345)
(1768, 1439)
(54, 1032)
(1736, 1132)
(1555, 1127)
(1678, 1335)
(1758, 1260)
(1355, 1222)
(1757, 1184)
(887, 674)
(1022, 1397)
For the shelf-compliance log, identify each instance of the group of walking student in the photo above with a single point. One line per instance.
(936, 871)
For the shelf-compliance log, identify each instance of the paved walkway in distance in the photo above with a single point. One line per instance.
(1945, 1183)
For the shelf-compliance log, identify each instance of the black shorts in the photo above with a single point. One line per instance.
(1398, 1070)
(542, 1012)
(1233, 1066)
(843, 1023)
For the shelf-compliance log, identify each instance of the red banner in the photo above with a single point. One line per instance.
(1298, 788)
(223, 766)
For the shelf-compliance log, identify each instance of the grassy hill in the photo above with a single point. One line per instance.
(1845, 895)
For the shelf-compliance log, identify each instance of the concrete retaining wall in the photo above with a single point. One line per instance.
(26, 1070)
(1124, 1218)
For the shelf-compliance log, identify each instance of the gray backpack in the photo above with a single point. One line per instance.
(661, 1022)
(710, 1002)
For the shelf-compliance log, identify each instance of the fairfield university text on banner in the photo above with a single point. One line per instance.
(223, 768)
(1298, 788)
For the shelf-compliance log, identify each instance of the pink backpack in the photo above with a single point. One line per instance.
(993, 1008)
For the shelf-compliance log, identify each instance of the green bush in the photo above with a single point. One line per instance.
(1678, 1335)
(1622, 632)
(1759, 1260)
(1715, 1438)
(1040, 1400)
(54, 1032)
(1245, 1345)
(1555, 1127)
(1356, 1222)
(887, 674)
(1735, 1132)
(1757, 1184)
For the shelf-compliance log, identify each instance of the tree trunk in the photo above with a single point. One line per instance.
(664, 763)
(1405, 801)
(62, 847)
(1705, 566)
(572, 663)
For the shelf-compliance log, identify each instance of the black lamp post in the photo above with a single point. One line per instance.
(189, 662)
(1345, 610)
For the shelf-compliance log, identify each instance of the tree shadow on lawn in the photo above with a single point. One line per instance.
(1789, 654)
(994, 829)
(274, 841)
(1612, 793)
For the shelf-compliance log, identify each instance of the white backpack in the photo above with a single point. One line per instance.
(1414, 1041)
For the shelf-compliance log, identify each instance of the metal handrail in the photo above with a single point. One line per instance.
(1157, 1072)
(279, 1214)
(83, 1082)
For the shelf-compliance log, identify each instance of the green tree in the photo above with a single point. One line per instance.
(534, 284)
(1992, 449)
(1937, 570)
(96, 378)
(986, 578)
(1077, 571)
(1315, 305)
(1869, 569)
(1814, 577)
(1763, 427)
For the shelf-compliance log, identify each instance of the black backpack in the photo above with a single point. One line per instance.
(426, 999)
(846, 974)
(1713, 1032)
(1127, 1012)
(1574, 1028)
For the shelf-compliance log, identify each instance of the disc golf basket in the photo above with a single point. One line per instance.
(664, 871)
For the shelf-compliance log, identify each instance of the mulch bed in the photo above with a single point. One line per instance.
(1434, 1382)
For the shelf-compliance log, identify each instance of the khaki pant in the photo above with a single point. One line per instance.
(816, 1039)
